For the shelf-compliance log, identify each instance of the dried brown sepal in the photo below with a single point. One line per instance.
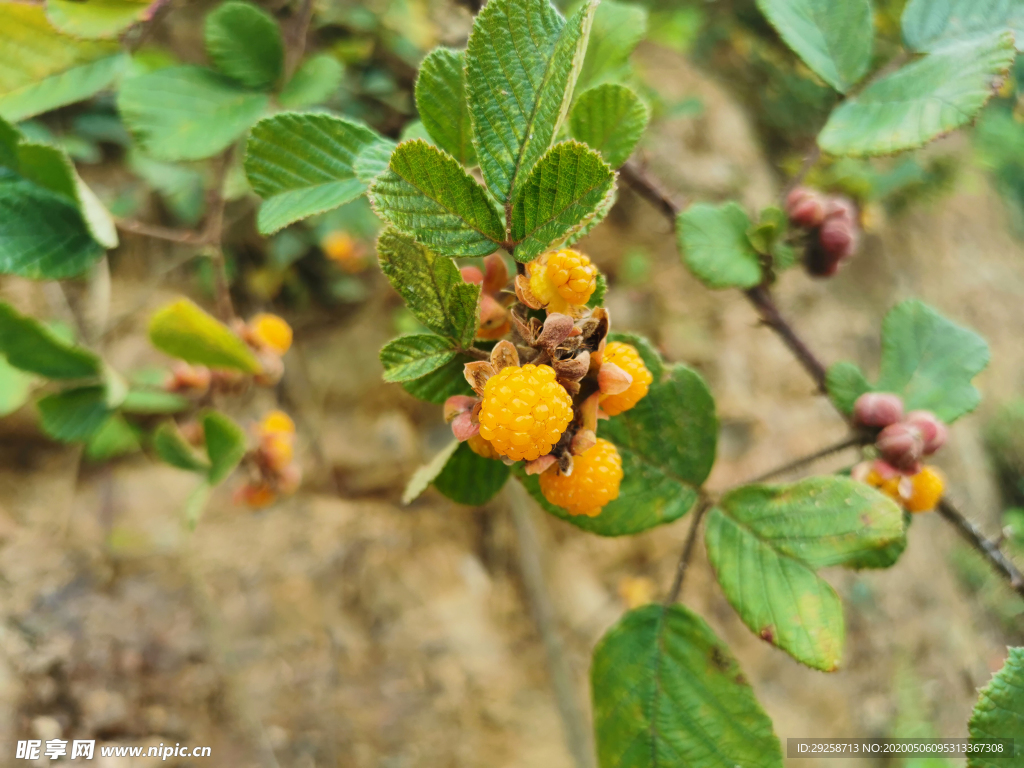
(588, 411)
(564, 459)
(524, 294)
(584, 440)
(504, 355)
(557, 328)
(528, 328)
(477, 373)
(572, 368)
(612, 380)
(537, 466)
(570, 386)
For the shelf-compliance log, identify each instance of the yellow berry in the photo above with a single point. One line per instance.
(341, 248)
(277, 423)
(481, 447)
(524, 411)
(926, 490)
(594, 481)
(271, 332)
(628, 359)
(563, 279)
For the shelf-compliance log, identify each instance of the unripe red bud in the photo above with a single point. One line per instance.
(901, 445)
(877, 409)
(463, 427)
(495, 274)
(805, 207)
(472, 274)
(837, 206)
(457, 404)
(933, 431)
(838, 237)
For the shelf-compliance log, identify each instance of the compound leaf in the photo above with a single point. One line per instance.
(714, 243)
(999, 713)
(75, 414)
(610, 118)
(666, 691)
(313, 82)
(471, 479)
(426, 193)
(30, 346)
(441, 102)
(411, 357)
(921, 101)
(244, 42)
(932, 24)
(183, 330)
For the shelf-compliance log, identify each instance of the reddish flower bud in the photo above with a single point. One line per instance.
(933, 431)
(495, 274)
(838, 206)
(463, 427)
(838, 237)
(457, 404)
(877, 409)
(805, 207)
(901, 445)
(472, 274)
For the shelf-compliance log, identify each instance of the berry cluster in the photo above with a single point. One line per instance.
(544, 411)
(833, 233)
(902, 441)
(272, 468)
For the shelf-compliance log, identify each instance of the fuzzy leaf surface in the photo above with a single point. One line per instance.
(610, 118)
(522, 61)
(921, 101)
(438, 386)
(185, 331)
(931, 24)
(316, 79)
(470, 479)
(441, 102)
(411, 357)
(244, 42)
(999, 713)
(667, 692)
(73, 415)
(30, 346)
(714, 243)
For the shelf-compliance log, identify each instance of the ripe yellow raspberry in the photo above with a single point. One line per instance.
(341, 248)
(628, 359)
(594, 481)
(277, 423)
(524, 411)
(563, 279)
(271, 332)
(926, 490)
(481, 447)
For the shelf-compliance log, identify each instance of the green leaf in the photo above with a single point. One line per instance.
(41, 69)
(15, 386)
(183, 330)
(438, 386)
(424, 476)
(303, 164)
(313, 82)
(833, 37)
(765, 543)
(74, 414)
(225, 445)
(931, 24)
(426, 193)
(667, 692)
(713, 241)
(919, 102)
(30, 346)
(600, 289)
(187, 113)
(431, 285)
(114, 438)
(410, 357)
(611, 119)
(522, 61)
(244, 42)
(667, 444)
(999, 713)
(441, 102)
(95, 18)
(176, 451)
(149, 402)
(470, 479)
(616, 31)
(195, 504)
(927, 360)
(566, 190)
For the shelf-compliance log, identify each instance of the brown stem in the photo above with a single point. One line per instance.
(989, 549)
(850, 442)
(297, 38)
(183, 236)
(684, 560)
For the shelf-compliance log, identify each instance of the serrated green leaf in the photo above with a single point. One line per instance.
(600, 289)
(441, 102)
(919, 102)
(667, 444)
(616, 31)
(765, 543)
(144, 401)
(446, 381)
(667, 692)
(426, 193)
(187, 113)
(94, 18)
(431, 285)
(225, 445)
(846, 382)
(41, 69)
(999, 713)
(522, 61)
(833, 37)
(313, 82)
(244, 43)
(303, 164)
(176, 451)
(183, 330)
(114, 438)
(648, 353)
(564, 192)
(931, 24)
(74, 414)
(610, 118)
(470, 479)
(411, 357)
(30, 346)
(424, 476)
(713, 241)
(15, 386)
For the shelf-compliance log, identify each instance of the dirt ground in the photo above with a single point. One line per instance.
(340, 628)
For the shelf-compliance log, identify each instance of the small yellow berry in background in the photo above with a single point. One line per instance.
(481, 447)
(341, 248)
(628, 359)
(594, 481)
(277, 423)
(636, 591)
(926, 490)
(271, 332)
(563, 279)
(524, 411)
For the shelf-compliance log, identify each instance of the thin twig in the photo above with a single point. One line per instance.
(183, 236)
(297, 38)
(978, 540)
(684, 560)
(850, 442)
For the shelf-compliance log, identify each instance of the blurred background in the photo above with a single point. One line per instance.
(341, 628)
